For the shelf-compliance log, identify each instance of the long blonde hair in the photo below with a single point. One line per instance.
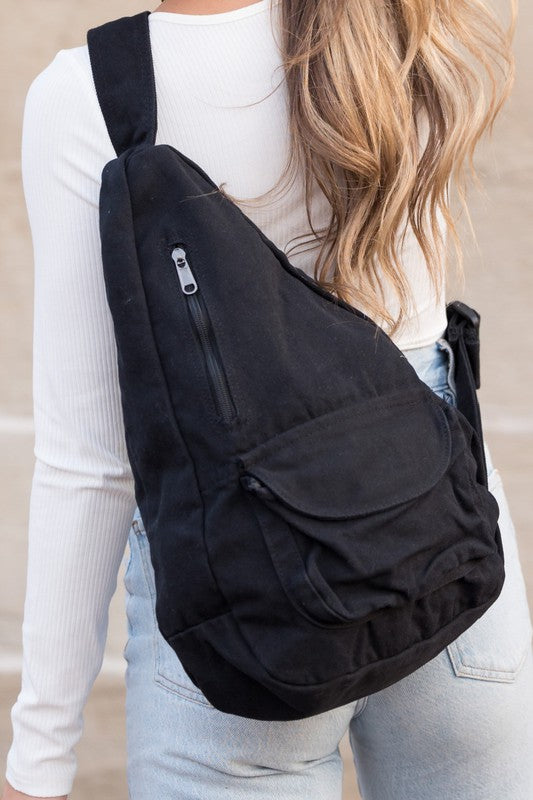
(361, 75)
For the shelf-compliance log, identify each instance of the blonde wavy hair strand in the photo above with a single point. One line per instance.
(361, 78)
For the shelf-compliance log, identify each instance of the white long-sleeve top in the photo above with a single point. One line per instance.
(208, 68)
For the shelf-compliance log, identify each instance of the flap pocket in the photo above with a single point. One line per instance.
(357, 459)
(364, 508)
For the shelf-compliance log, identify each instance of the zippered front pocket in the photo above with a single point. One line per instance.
(203, 328)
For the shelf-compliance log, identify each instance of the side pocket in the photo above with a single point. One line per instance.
(168, 671)
(494, 648)
(370, 509)
(331, 493)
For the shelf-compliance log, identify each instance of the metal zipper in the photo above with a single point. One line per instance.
(202, 325)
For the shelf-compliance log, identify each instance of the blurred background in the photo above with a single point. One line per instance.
(499, 284)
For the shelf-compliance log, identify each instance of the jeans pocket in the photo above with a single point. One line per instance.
(495, 647)
(168, 671)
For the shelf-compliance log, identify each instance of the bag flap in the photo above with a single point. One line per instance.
(358, 459)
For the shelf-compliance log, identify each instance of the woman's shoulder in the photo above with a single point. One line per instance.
(69, 71)
(61, 104)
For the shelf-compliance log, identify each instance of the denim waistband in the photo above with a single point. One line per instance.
(434, 364)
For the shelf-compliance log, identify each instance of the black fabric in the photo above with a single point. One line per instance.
(317, 522)
(123, 74)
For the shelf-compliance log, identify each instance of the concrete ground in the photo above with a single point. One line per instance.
(499, 285)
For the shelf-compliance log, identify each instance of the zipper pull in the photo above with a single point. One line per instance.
(186, 278)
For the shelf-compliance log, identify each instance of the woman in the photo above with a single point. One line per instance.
(394, 105)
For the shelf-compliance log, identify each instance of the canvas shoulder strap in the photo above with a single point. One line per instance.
(123, 74)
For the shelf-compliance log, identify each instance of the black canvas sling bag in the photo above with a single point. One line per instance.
(318, 519)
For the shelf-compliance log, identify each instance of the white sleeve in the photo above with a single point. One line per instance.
(82, 494)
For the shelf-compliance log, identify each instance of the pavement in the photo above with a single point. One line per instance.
(499, 284)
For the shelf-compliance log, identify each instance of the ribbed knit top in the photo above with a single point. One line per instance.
(221, 101)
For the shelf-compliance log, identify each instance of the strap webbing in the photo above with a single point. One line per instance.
(123, 74)
(462, 333)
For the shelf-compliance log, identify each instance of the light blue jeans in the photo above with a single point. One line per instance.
(459, 728)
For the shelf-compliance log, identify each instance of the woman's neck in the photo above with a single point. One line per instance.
(202, 6)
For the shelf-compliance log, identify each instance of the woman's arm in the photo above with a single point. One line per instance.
(82, 495)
